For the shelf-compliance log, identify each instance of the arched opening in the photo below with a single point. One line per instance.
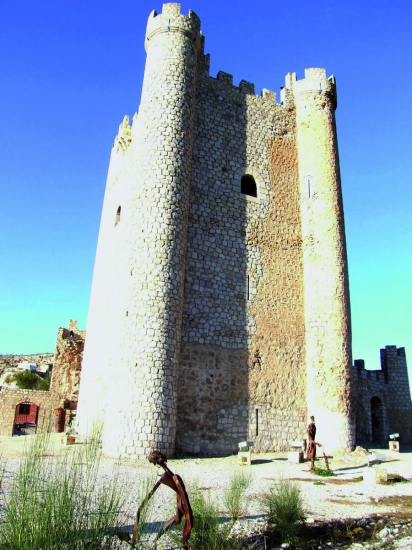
(119, 210)
(25, 419)
(248, 185)
(378, 421)
(71, 334)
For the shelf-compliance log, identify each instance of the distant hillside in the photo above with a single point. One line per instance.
(10, 362)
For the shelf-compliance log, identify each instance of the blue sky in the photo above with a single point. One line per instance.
(70, 71)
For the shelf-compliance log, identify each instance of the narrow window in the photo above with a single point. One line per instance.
(71, 334)
(309, 185)
(247, 288)
(248, 186)
(118, 215)
(257, 421)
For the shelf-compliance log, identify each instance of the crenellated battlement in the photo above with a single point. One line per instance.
(124, 135)
(314, 82)
(244, 86)
(363, 374)
(226, 80)
(392, 359)
(171, 20)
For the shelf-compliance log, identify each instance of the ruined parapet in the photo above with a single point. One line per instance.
(67, 365)
(124, 136)
(327, 310)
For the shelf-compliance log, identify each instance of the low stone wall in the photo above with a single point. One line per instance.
(47, 401)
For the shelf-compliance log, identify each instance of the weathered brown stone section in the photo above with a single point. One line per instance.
(10, 398)
(277, 370)
(68, 358)
(212, 403)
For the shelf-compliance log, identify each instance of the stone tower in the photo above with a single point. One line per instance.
(137, 296)
(219, 308)
(326, 282)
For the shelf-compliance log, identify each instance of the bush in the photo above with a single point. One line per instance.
(208, 533)
(233, 496)
(61, 502)
(323, 472)
(284, 507)
(26, 380)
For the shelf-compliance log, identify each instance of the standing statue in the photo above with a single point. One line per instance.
(312, 444)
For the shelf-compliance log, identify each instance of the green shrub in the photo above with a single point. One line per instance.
(26, 380)
(61, 502)
(234, 493)
(284, 506)
(323, 472)
(208, 532)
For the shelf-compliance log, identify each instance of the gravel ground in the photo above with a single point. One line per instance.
(335, 498)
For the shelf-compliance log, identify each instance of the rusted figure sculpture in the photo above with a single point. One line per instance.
(175, 482)
(312, 444)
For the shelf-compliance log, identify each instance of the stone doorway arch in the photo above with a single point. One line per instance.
(26, 418)
(378, 420)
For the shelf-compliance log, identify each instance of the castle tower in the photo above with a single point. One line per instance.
(399, 406)
(326, 285)
(135, 316)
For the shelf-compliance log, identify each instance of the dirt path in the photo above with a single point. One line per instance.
(342, 497)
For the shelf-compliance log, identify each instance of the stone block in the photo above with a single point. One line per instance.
(68, 440)
(375, 458)
(245, 445)
(394, 446)
(295, 456)
(244, 458)
(375, 476)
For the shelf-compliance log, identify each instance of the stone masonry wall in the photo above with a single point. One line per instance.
(325, 268)
(277, 376)
(368, 384)
(212, 405)
(47, 401)
(200, 292)
(144, 290)
(243, 287)
(390, 386)
(67, 365)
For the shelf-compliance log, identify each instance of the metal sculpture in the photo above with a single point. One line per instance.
(175, 482)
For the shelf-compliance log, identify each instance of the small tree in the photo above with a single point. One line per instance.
(29, 381)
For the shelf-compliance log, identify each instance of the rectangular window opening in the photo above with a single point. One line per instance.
(24, 408)
(257, 421)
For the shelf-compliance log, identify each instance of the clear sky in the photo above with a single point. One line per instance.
(70, 70)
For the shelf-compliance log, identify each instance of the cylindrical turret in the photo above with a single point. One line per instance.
(150, 215)
(326, 285)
